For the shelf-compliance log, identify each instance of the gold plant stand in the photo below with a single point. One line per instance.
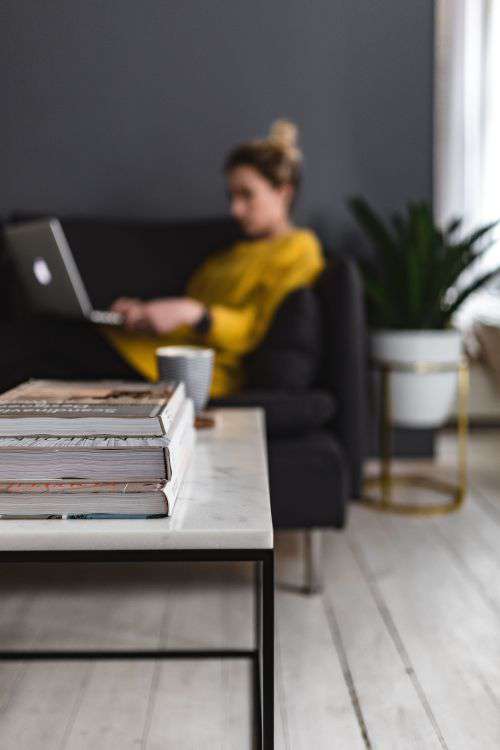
(386, 480)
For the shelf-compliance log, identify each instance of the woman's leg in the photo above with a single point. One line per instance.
(51, 348)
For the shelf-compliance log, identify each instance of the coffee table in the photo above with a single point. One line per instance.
(222, 513)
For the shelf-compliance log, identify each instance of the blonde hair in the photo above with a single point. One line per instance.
(276, 157)
(285, 135)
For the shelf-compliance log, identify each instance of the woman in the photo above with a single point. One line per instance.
(230, 300)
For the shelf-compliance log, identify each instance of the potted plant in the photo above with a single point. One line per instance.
(412, 293)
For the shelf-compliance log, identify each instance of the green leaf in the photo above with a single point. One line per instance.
(387, 248)
(415, 265)
(381, 307)
(476, 235)
(374, 227)
(453, 226)
(399, 224)
(457, 260)
(468, 290)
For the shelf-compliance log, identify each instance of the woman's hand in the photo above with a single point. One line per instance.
(159, 316)
(164, 315)
(132, 310)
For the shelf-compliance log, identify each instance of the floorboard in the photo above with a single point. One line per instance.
(390, 705)
(448, 634)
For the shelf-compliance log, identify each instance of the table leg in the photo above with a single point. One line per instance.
(257, 663)
(265, 645)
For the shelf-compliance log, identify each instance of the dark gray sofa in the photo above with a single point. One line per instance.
(316, 435)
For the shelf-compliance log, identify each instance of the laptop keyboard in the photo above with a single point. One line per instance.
(106, 317)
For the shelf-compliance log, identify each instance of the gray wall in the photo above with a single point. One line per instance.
(126, 107)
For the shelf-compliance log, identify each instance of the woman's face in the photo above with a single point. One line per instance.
(256, 204)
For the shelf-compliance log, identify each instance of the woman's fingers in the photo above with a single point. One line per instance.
(122, 304)
(134, 317)
(133, 312)
(119, 305)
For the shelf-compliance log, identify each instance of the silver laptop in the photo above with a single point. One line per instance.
(46, 266)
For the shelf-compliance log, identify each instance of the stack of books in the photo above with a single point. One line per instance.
(96, 449)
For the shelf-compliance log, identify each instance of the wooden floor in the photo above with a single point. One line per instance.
(401, 651)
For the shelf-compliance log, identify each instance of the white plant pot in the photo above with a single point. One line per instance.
(419, 399)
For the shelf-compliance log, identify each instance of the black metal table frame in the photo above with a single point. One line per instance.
(262, 655)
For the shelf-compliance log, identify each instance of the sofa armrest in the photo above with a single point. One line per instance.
(345, 369)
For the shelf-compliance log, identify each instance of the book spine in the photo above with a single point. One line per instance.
(64, 487)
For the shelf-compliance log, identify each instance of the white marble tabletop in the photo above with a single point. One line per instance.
(223, 502)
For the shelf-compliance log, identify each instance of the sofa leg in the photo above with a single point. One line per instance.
(313, 568)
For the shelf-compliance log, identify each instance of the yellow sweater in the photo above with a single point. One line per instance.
(243, 286)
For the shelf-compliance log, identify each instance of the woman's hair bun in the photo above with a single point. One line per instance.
(276, 157)
(285, 134)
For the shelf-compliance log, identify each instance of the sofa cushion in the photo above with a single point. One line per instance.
(287, 413)
(290, 355)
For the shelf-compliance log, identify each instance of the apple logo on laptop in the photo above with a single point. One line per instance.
(42, 271)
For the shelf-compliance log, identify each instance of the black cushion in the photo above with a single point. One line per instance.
(290, 355)
(287, 413)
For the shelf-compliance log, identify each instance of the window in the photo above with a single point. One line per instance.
(467, 116)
